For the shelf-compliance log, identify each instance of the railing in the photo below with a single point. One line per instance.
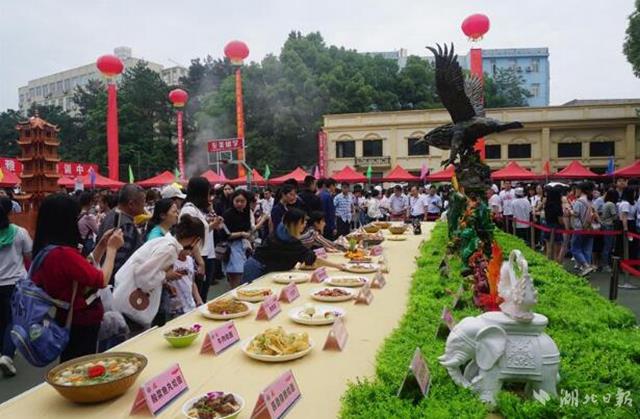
(375, 161)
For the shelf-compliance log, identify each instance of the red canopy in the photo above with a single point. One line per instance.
(164, 178)
(256, 179)
(513, 171)
(575, 170)
(66, 182)
(348, 175)
(398, 174)
(443, 175)
(9, 179)
(632, 170)
(298, 174)
(102, 182)
(213, 177)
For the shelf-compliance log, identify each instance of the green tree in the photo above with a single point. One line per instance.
(8, 134)
(631, 45)
(505, 89)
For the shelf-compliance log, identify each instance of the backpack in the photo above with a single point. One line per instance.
(35, 332)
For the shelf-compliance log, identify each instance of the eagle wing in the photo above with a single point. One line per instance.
(474, 90)
(450, 84)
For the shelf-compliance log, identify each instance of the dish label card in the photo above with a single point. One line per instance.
(376, 250)
(365, 296)
(320, 252)
(417, 381)
(446, 324)
(289, 293)
(220, 338)
(378, 280)
(269, 308)
(278, 398)
(156, 393)
(319, 275)
(337, 338)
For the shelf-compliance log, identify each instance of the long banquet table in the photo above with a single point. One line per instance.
(321, 375)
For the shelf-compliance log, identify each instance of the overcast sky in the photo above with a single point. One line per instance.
(40, 37)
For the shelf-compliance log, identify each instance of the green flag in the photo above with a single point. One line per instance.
(131, 179)
(369, 172)
(267, 172)
(176, 173)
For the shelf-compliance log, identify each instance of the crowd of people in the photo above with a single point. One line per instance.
(129, 260)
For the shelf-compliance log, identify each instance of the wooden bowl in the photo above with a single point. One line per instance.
(383, 224)
(370, 228)
(397, 229)
(95, 393)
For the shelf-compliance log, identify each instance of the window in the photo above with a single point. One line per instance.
(45, 89)
(59, 86)
(493, 66)
(52, 88)
(492, 151)
(570, 150)
(602, 148)
(535, 65)
(39, 91)
(416, 148)
(535, 89)
(345, 149)
(519, 151)
(372, 148)
(67, 84)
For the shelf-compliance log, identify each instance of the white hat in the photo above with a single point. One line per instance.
(378, 188)
(495, 189)
(172, 191)
(519, 192)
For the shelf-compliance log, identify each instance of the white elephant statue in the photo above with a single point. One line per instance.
(495, 349)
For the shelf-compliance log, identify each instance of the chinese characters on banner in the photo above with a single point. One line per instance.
(64, 168)
(322, 152)
(227, 144)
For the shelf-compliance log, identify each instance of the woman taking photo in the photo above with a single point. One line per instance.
(283, 249)
(64, 269)
(165, 216)
(237, 231)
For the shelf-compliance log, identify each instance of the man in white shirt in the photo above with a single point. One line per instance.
(434, 204)
(506, 198)
(417, 205)
(521, 211)
(266, 203)
(398, 204)
(495, 205)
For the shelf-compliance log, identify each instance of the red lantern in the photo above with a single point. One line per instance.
(178, 97)
(110, 65)
(236, 51)
(475, 26)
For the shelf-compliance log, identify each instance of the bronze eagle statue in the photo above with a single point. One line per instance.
(463, 100)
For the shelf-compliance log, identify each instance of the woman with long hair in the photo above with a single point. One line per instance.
(165, 216)
(608, 219)
(64, 269)
(627, 211)
(554, 219)
(237, 231)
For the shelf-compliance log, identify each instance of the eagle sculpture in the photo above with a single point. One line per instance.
(463, 100)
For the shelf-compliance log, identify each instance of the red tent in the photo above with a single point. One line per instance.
(348, 175)
(164, 178)
(632, 170)
(398, 174)
(213, 177)
(256, 179)
(575, 170)
(298, 174)
(9, 179)
(443, 175)
(102, 182)
(513, 171)
(66, 182)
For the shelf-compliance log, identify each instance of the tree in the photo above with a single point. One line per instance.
(505, 89)
(8, 134)
(631, 45)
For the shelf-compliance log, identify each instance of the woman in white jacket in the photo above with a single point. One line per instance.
(138, 284)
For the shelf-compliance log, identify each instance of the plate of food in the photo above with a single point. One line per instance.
(315, 315)
(289, 277)
(252, 294)
(332, 294)
(96, 378)
(276, 345)
(351, 281)
(181, 337)
(303, 267)
(225, 309)
(397, 237)
(214, 405)
(361, 268)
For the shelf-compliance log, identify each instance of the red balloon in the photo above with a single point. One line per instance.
(236, 51)
(110, 65)
(178, 97)
(475, 26)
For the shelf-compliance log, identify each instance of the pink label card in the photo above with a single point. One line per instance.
(365, 296)
(447, 318)
(321, 252)
(378, 280)
(220, 338)
(337, 338)
(289, 293)
(421, 371)
(156, 393)
(319, 275)
(376, 250)
(278, 398)
(269, 308)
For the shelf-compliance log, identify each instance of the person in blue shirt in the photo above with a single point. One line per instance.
(327, 189)
(343, 203)
(287, 199)
(165, 216)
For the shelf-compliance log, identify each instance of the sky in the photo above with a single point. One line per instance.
(41, 37)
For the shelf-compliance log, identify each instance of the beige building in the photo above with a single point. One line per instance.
(57, 89)
(588, 131)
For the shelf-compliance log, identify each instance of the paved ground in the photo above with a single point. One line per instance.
(29, 376)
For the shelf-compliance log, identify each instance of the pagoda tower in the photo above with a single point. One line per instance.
(38, 140)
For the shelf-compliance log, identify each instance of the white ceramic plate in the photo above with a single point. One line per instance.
(289, 277)
(296, 315)
(255, 299)
(274, 358)
(397, 238)
(336, 281)
(331, 299)
(209, 315)
(191, 402)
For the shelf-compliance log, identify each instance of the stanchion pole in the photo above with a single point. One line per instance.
(550, 244)
(533, 237)
(513, 225)
(625, 246)
(615, 275)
